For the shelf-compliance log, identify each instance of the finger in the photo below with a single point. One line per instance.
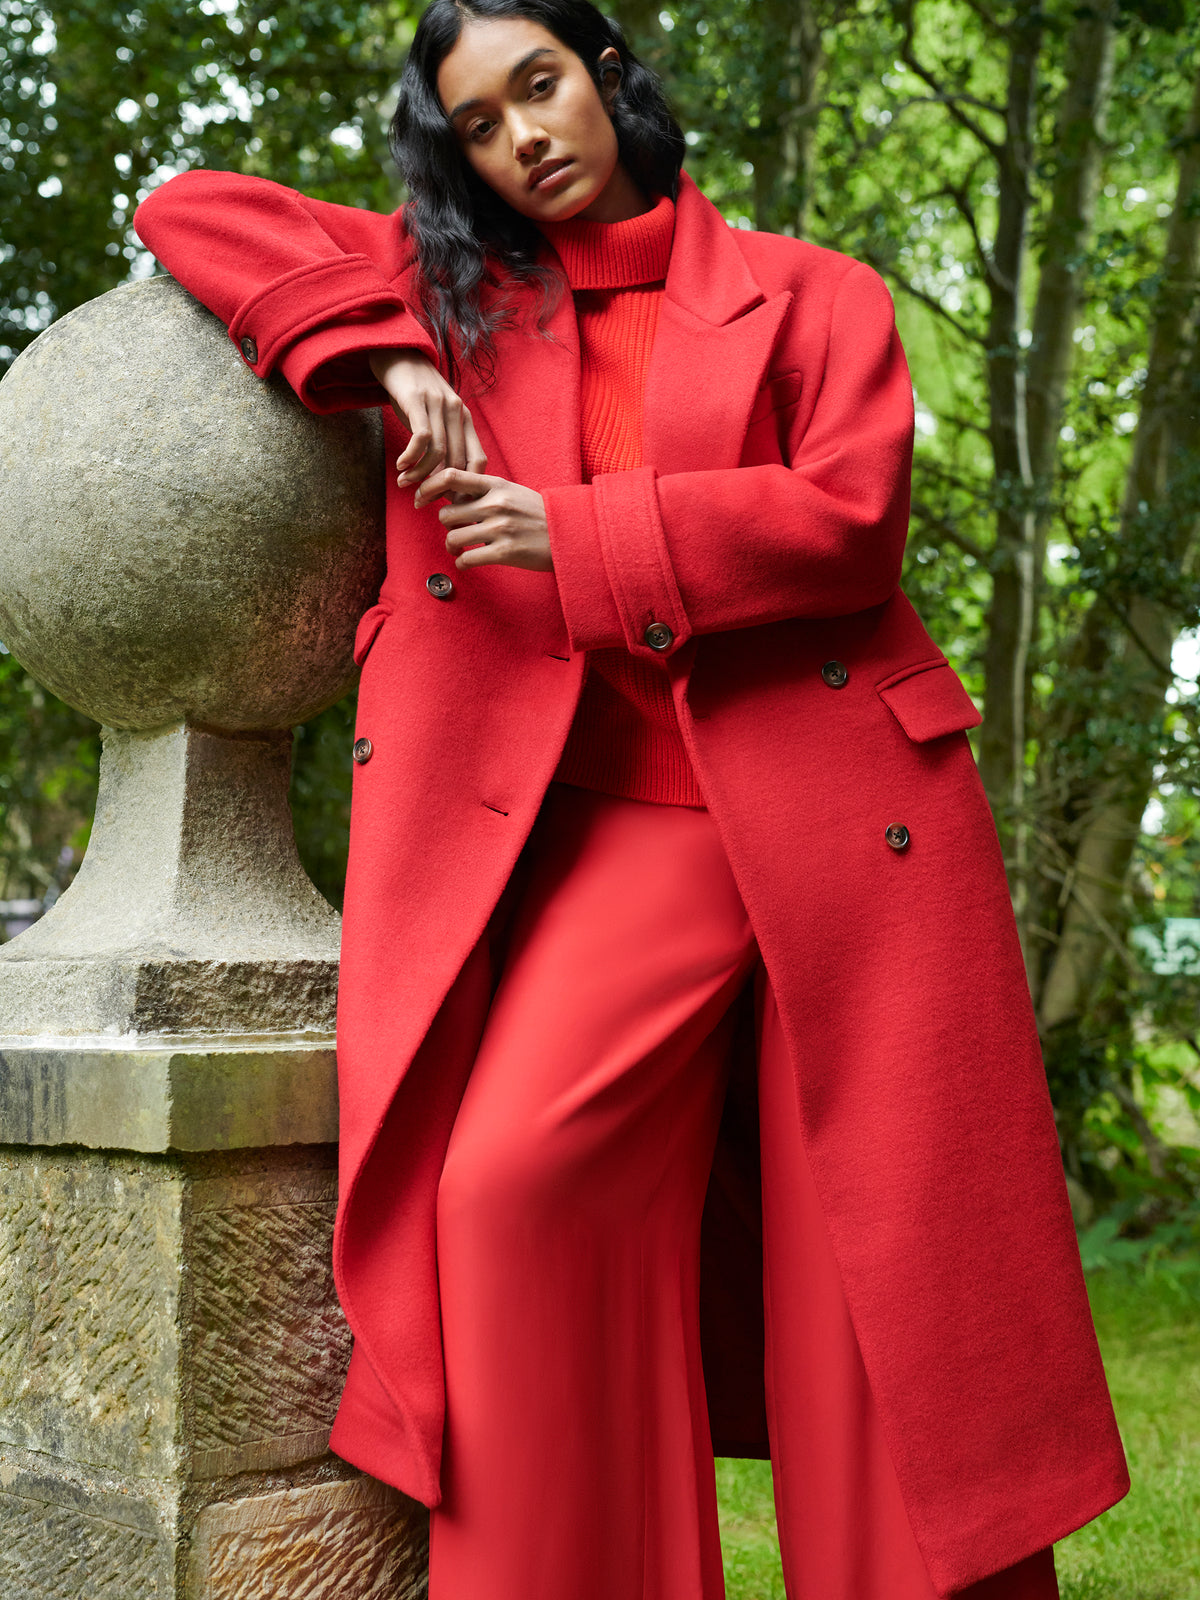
(422, 437)
(432, 460)
(468, 512)
(456, 439)
(476, 455)
(458, 540)
(494, 553)
(453, 480)
(436, 455)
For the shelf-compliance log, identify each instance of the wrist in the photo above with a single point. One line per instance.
(384, 361)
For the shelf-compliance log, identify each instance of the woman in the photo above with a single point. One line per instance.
(663, 803)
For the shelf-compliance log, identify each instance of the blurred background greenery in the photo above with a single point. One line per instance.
(1026, 176)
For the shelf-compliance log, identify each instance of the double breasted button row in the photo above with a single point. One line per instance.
(440, 585)
(659, 636)
(363, 750)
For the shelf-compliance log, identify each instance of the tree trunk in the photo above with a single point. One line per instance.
(783, 169)
(1130, 633)
(1078, 147)
(1078, 144)
(1010, 617)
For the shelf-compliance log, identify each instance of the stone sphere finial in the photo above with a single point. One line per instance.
(185, 552)
(180, 541)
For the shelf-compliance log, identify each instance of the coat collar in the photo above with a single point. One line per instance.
(715, 334)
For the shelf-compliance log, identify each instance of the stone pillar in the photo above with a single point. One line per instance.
(184, 552)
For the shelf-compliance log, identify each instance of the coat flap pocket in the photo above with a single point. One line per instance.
(929, 700)
(773, 396)
(369, 625)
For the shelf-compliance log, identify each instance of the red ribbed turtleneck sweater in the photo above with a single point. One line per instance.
(625, 738)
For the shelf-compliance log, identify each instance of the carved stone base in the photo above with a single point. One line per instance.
(171, 1357)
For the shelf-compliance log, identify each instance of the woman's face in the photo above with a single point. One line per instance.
(532, 123)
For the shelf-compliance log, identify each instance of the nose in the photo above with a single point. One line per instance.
(529, 138)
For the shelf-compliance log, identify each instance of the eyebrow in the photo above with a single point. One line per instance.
(514, 74)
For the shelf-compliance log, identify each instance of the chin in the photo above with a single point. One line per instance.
(564, 204)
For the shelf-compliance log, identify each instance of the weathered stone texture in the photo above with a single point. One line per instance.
(88, 1310)
(178, 539)
(52, 1552)
(70, 1533)
(212, 1095)
(269, 1343)
(348, 1541)
(48, 1552)
(191, 913)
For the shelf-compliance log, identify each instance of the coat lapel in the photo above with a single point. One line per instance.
(716, 331)
(529, 419)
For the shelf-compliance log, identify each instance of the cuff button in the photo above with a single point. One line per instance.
(658, 636)
(249, 350)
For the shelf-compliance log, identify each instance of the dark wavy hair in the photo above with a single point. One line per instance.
(467, 238)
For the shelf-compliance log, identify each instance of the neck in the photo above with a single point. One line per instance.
(615, 255)
(619, 200)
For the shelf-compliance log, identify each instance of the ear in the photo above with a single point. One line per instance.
(611, 73)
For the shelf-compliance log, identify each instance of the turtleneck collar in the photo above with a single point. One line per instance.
(615, 255)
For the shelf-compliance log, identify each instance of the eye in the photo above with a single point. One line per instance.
(479, 130)
(541, 85)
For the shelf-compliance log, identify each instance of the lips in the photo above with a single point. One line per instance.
(547, 169)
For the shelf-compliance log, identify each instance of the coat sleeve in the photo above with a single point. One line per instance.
(820, 536)
(302, 285)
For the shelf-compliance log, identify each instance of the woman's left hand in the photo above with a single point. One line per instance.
(505, 522)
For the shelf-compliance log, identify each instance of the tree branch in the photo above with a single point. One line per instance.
(951, 102)
(962, 199)
(928, 300)
(948, 531)
(986, 15)
(944, 99)
(1131, 629)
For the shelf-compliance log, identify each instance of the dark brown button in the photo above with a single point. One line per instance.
(362, 750)
(658, 636)
(440, 585)
(250, 350)
(896, 835)
(835, 674)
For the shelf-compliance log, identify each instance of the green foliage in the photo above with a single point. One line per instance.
(321, 796)
(48, 756)
(100, 102)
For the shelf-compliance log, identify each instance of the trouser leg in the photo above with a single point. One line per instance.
(577, 1459)
(843, 1530)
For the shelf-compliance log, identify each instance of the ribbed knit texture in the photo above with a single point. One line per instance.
(625, 738)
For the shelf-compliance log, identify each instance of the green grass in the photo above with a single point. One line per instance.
(1146, 1548)
(748, 1538)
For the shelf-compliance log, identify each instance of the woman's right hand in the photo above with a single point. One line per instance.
(443, 434)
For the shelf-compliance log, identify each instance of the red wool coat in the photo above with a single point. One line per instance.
(767, 534)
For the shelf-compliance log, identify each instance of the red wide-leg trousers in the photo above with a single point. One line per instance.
(578, 1463)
